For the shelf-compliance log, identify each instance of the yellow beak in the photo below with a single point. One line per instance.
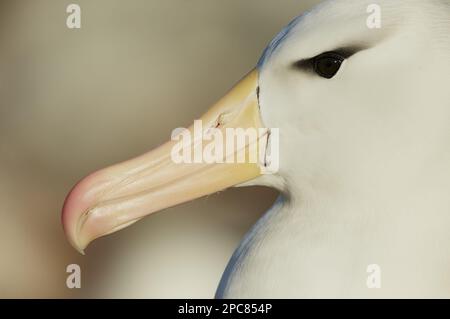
(119, 195)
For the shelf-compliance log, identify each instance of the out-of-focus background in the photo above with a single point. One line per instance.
(73, 101)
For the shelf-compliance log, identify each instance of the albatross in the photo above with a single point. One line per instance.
(363, 115)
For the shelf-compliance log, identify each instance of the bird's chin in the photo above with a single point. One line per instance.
(118, 196)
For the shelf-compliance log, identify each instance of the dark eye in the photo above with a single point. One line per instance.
(327, 64)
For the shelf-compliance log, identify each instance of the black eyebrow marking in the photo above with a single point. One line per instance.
(345, 52)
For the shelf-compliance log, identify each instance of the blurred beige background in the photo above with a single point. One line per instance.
(73, 101)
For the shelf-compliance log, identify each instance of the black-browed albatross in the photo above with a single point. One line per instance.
(364, 172)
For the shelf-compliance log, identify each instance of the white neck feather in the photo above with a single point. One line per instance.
(320, 244)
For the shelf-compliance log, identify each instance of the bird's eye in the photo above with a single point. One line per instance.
(327, 64)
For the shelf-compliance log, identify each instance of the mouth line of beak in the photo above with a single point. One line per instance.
(108, 196)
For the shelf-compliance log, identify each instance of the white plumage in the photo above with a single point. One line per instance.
(364, 158)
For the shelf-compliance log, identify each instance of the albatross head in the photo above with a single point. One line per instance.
(354, 105)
